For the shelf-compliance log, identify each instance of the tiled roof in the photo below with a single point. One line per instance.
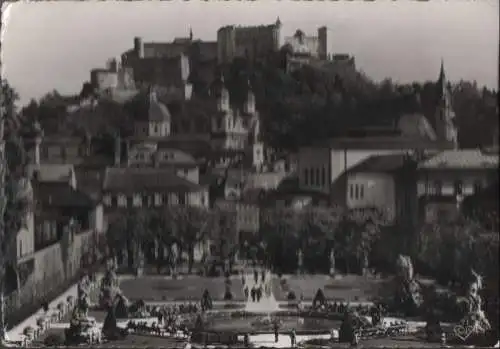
(61, 195)
(380, 163)
(461, 159)
(400, 142)
(133, 180)
(51, 172)
(175, 157)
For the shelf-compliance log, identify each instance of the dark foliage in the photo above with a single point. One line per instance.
(53, 340)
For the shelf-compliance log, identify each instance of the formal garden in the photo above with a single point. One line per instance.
(368, 286)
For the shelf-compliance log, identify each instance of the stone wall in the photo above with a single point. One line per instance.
(50, 272)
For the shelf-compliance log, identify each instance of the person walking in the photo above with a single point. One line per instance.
(246, 292)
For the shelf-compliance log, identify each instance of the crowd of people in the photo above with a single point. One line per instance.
(260, 286)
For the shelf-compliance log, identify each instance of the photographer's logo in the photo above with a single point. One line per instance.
(463, 331)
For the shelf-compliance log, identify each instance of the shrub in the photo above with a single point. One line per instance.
(228, 295)
(53, 340)
(291, 296)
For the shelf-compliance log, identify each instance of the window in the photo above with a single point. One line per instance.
(457, 187)
(107, 200)
(317, 177)
(478, 186)
(306, 176)
(122, 200)
(361, 191)
(356, 191)
(20, 248)
(351, 191)
(438, 187)
(323, 176)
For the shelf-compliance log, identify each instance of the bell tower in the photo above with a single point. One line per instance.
(250, 101)
(446, 128)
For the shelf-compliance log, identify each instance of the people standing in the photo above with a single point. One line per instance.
(293, 338)
(246, 292)
(256, 276)
(253, 294)
(276, 330)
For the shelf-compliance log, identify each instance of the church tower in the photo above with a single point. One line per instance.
(250, 101)
(446, 129)
(220, 92)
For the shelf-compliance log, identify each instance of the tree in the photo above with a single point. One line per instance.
(13, 202)
(191, 226)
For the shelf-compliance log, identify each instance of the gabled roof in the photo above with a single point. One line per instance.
(136, 180)
(461, 159)
(61, 195)
(380, 163)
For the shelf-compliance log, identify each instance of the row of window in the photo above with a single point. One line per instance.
(57, 151)
(356, 191)
(315, 177)
(437, 187)
(155, 200)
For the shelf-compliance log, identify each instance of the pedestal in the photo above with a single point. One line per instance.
(139, 271)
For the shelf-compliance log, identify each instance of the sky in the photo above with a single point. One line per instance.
(54, 45)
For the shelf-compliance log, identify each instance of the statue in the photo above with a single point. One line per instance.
(109, 285)
(408, 290)
(475, 321)
(206, 301)
(174, 256)
(332, 261)
(300, 260)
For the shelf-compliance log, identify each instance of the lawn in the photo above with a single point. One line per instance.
(156, 289)
(348, 288)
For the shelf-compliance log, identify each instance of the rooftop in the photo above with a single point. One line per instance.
(135, 180)
(462, 159)
(380, 163)
(396, 142)
(58, 194)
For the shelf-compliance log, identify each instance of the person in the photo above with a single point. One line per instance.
(259, 293)
(293, 338)
(252, 293)
(256, 275)
(246, 292)
(276, 333)
(246, 340)
(263, 275)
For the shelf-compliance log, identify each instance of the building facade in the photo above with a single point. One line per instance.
(251, 42)
(450, 177)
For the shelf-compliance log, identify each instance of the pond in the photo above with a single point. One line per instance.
(260, 323)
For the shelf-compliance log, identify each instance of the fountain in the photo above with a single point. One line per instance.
(267, 303)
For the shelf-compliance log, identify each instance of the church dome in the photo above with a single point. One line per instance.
(157, 110)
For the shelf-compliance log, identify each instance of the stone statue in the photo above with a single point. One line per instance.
(475, 320)
(332, 261)
(300, 260)
(109, 285)
(408, 291)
